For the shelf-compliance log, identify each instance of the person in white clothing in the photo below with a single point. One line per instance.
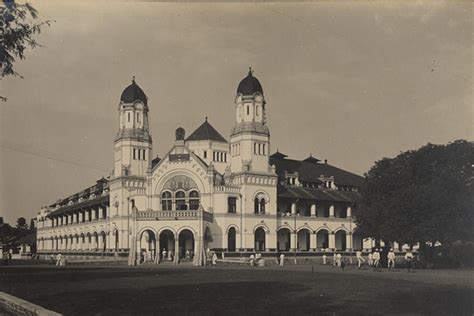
(360, 259)
(376, 257)
(58, 259)
(391, 259)
(409, 260)
(370, 259)
(282, 260)
(339, 260)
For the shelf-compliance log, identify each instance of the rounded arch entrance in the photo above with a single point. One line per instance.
(340, 238)
(322, 238)
(303, 239)
(259, 239)
(283, 239)
(167, 243)
(186, 245)
(147, 245)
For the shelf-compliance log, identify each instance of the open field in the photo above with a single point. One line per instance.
(240, 290)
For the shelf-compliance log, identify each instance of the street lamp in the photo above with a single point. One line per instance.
(295, 233)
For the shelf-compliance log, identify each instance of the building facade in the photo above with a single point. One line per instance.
(207, 192)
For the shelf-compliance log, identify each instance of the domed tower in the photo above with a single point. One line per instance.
(133, 143)
(250, 137)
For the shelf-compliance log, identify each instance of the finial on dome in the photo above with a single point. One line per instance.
(250, 71)
(133, 79)
(206, 118)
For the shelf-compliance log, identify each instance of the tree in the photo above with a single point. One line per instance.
(32, 224)
(17, 34)
(424, 196)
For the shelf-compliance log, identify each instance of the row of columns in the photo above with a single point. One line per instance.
(313, 241)
(79, 217)
(314, 211)
(83, 242)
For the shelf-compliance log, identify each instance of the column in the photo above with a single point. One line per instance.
(93, 213)
(293, 240)
(331, 211)
(87, 215)
(313, 242)
(74, 218)
(313, 210)
(349, 212)
(332, 241)
(176, 250)
(80, 217)
(293, 208)
(349, 245)
(101, 213)
(101, 242)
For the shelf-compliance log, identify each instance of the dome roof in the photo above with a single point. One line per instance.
(249, 85)
(133, 93)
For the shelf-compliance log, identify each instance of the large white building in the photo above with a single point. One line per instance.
(206, 192)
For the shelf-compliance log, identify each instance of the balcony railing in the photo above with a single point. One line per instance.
(173, 215)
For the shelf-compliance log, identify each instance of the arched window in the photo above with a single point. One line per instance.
(231, 239)
(166, 201)
(256, 206)
(194, 200)
(180, 201)
(262, 206)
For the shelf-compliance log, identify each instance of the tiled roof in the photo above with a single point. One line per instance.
(296, 192)
(312, 171)
(206, 132)
(102, 199)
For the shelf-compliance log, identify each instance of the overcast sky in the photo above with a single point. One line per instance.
(350, 83)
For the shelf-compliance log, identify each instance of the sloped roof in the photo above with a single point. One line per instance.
(311, 171)
(102, 199)
(206, 132)
(296, 192)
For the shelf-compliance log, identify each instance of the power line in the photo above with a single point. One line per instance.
(50, 156)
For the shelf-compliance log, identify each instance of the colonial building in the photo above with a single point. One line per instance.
(207, 192)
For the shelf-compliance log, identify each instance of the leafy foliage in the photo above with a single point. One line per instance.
(425, 196)
(17, 34)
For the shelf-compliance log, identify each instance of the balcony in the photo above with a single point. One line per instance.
(173, 215)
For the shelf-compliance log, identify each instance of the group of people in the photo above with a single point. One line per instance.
(374, 259)
(57, 260)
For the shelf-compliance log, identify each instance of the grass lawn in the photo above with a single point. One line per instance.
(239, 290)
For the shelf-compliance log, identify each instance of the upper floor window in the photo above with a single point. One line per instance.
(180, 201)
(138, 117)
(166, 201)
(259, 204)
(194, 200)
(205, 154)
(232, 205)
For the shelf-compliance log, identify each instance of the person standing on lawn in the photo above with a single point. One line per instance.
(409, 260)
(391, 259)
(360, 259)
(282, 260)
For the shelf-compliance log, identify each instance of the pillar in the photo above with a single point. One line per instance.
(349, 212)
(349, 245)
(87, 215)
(313, 242)
(93, 214)
(101, 213)
(81, 216)
(293, 208)
(331, 212)
(313, 209)
(293, 240)
(332, 241)
(176, 249)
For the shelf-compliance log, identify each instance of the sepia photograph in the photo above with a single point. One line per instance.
(236, 157)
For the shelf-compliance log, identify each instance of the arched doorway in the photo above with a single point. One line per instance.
(147, 246)
(322, 238)
(96, 241)
(231, 237)
(259, 239)
(283, 239)
(167, 243)
(341, 240)
(186, 245)
(103, 237)
(303, 240)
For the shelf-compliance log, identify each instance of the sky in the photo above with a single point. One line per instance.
(347, 82)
